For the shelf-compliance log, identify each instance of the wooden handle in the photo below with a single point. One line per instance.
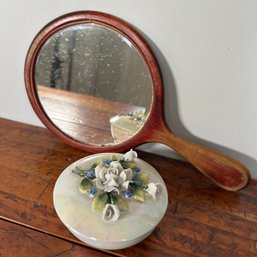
(224, 171)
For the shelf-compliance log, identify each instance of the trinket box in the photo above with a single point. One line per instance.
(110, 200)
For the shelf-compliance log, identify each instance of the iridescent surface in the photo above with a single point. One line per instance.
(74, 209)
(97, 66)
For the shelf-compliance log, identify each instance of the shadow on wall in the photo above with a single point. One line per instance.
(177, 126)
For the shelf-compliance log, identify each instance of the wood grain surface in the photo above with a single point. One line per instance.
(201, 219)
(83, 117)
(19, 241)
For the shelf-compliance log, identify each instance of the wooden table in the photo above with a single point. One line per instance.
(201, 220)
(83, 117)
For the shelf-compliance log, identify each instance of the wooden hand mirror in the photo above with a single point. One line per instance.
(95, 83)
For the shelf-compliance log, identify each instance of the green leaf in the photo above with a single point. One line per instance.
(142, 177)
(127, 165)
(139, 194)
(96, 163)
(114, 158)
(120, 202)
(79, 172)
(85, 185)
(100, 201)
(132, 188)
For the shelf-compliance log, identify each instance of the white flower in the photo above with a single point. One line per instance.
(110, 189)
(111, 212)
(116, 165)
(111, 179)
(100, 171)
(129, 156)
(153, 189)
(125, 175)
(125, 178)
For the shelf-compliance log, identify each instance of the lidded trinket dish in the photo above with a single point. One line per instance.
(110, 200)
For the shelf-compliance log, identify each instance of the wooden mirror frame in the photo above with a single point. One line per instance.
(138, 42)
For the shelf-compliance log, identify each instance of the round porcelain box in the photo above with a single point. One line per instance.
(109, 200)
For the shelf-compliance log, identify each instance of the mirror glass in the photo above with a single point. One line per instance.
(93, 84)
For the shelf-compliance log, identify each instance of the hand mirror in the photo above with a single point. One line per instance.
(95, 83)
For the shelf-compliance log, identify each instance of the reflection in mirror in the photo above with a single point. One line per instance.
(93, 84)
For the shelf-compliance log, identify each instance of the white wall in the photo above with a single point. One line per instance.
(207, 51)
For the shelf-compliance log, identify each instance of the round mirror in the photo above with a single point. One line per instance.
(90, 79)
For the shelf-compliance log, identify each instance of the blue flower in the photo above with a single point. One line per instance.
(128, 194)
(92, 192)
(90, 174)
(107, 163)
(137, 169)
(137, 182)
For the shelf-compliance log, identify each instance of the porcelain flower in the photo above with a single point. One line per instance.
(111, 182)
(129, 156)
(116, 165)
(111, 212)
(153, 189)
(112, 179)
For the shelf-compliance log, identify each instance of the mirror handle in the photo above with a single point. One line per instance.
(224, 171)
